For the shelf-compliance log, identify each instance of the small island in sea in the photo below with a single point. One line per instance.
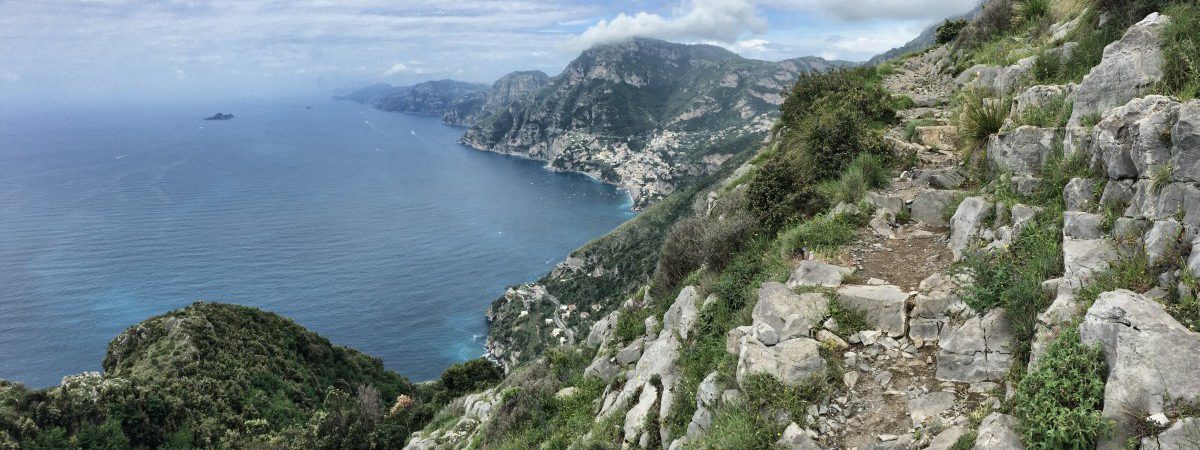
(219, 116)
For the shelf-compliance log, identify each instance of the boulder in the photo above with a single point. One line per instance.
(980, 75)
(930, 307)
(682, 314)
(701, 422)
(602, 368)
(1152, 360)
(884, 306)
(940, 178)
(1080, 194)
(978, 350)
(947, 438)
(1129, 67)
(1039, 97)
(1011, 77)
(966, 224)
(1163, 242)
(1083, 258)
(1021, 151)
(635, 418)
(929, 206)
(733, 340)
(817, 273)
(1185, 139)
(794, 438)
(776, 302)
(1184, 434)
(929, 405)
(1082, 225)
(881, 223)
(1134, 139)
(630, 353)
(602, 329)
(793, 362)
(891, 203)
(998, 432)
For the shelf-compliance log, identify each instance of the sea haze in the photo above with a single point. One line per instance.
(374, 229)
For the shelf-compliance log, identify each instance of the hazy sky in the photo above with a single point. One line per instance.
(53, 50)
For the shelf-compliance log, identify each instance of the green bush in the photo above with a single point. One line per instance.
(472, 375)
(1032, 11)
(994, 20)
(849, 321)
(738, 426)
(980, 116)
(866, 172)
(1181, 71)
(1054, 114)
(1059, 401)
(948, 31)
(703, 240)
(825, 232)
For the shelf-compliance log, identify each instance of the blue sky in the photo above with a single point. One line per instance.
(103, 49)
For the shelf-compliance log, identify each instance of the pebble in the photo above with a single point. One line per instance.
(887, 437)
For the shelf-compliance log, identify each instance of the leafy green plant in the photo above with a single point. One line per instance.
(1160, 177)
(980, 116)
(1032, 11)
(1181, 71)
(966, 441)
(825, 232)
(948, 31)
(768, 394)
(737, 426)
(849, 321)
(866, 172)
(1058, 402)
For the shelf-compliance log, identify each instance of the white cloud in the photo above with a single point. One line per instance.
(858, 10)
(397, 69)
(695, 20)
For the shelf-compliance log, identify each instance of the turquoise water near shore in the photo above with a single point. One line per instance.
(374, 229)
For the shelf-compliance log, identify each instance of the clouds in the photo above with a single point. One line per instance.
(859, 10)
(717, 20)
(397, 68)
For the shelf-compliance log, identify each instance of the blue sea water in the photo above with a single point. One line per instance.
(374, 229)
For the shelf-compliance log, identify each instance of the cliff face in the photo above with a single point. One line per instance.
(642, 113)
(456, 102)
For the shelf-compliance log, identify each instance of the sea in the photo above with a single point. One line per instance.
(377, 230)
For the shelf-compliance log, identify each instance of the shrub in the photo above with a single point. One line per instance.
(980, 116)
(993, 20)
(1058, 402)
(768, 394)
(866, 172)
(1054, 114)
(825, 232)
(1181, 71)
(471, 375)
(849, 321)
(737, 426)
(1032, 11)
(949, 29)
(703, 240)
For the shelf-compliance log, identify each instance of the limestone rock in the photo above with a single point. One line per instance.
(929, 206)
(776, 302)
(602, 329)
(946, 439)
(1083, 258)
(635, 419)
(890, 203)
(929, 405)
(1082, 225)
(1080, 194)
(1128, 68)
(941, 137)
(1134, 139)
(792, 362)
(1151, 359)
(884, 306)
(967, 223)
(794, 438)
(682, 314)
(630, 353)
(817, 273)
(978, 350)
(997, 432)
(1022, 151)
(1184, 434)
(1185, 138)
(1162, 240)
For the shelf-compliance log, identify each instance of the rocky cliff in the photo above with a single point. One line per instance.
(456, 102)
(643, 114)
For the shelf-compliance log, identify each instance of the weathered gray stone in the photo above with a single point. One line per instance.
(998, 432)
(1080, 194)
(792, 362)
(940, 178)
(733, 340)
(884, 306)
(1163, 241)
(1193, 262)
(1021, 215)
(941, 137)
(1128, 68)
(930, 207)
(978, 350)
(1185, 139)
(1026, 185)
(1082, 225)
(1012, 77)
(929, 405)
(635, 419)
(776, 302)
(709, 391)
(892, 203)
(1021, 151)
(682, 314)
(1117, 192)
(765, 334)
(881, 223)
(602, 329)
(1083, 258)
(1152, 359)
(817, 273)
(701, 422)
(979, 75)
(794, 438)
(1135, 139)
(1039, 97)
(947, 438)
(602, 368)
(966, 224)
(630, 353)
(1184, 434)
